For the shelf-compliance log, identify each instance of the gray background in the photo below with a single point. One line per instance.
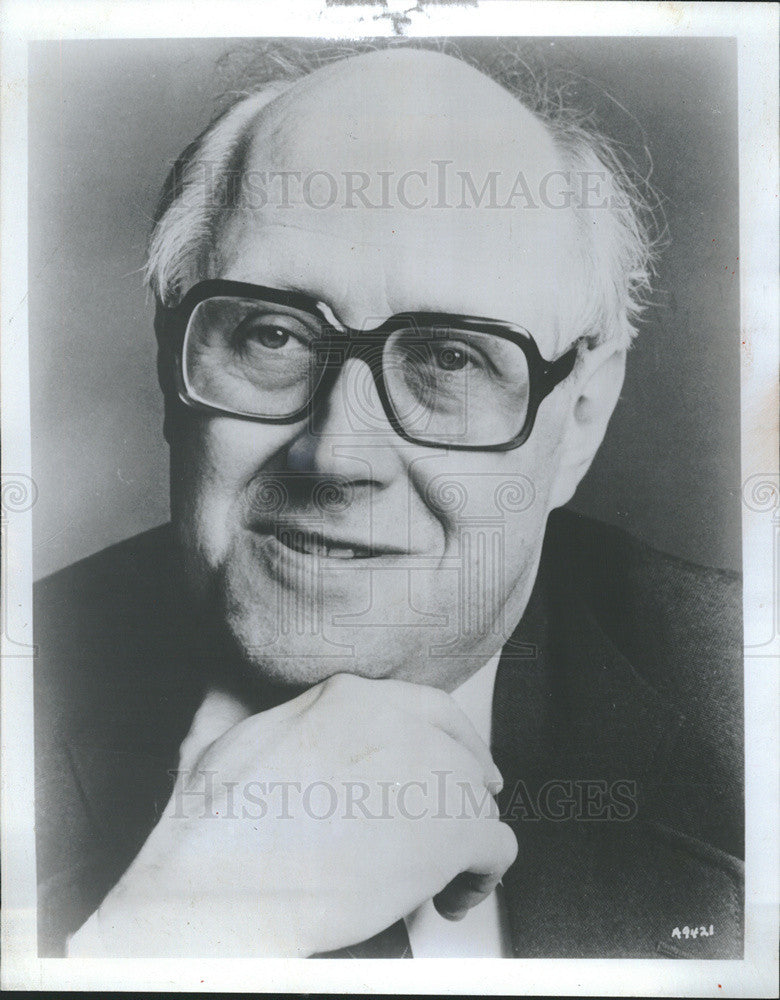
(108, 118)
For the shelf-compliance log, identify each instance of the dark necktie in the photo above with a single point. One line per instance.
(393, 942)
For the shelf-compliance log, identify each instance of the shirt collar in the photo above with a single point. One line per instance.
(475, 697)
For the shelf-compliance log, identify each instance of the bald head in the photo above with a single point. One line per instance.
(390, 106)
(357, 159)
(402, 179)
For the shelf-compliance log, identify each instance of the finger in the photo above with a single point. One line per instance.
(218, 713)
(460, 775)
(439, 709)
(464, 892)
(495, 849)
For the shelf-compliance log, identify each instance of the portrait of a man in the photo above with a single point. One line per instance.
(377, 688)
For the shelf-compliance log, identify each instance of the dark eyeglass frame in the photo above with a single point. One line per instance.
(342, 344)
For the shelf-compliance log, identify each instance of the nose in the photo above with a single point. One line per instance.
(348, 434)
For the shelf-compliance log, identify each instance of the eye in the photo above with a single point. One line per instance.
(450, 358)
(269, 336)
(267, 332)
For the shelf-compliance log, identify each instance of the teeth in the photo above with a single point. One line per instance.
(312, 547)
(335, 553)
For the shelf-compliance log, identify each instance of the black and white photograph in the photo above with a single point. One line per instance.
(395, 522)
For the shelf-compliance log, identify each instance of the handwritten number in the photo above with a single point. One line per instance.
(693, 932)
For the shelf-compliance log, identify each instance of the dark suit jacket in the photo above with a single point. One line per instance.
(617, 726)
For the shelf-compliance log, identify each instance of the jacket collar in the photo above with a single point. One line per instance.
(568, 706)
(566, 696)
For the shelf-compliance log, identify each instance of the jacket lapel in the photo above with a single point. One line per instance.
(581, 740)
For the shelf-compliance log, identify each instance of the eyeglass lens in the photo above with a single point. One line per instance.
(445, 385)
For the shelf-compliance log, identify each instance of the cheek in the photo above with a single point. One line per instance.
(463, 490)
(213, 459)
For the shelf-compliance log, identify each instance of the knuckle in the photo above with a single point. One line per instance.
(507, 843)
(432, 746)
(468, 771)
(403, 695)
(341, 683)
(448, 755)
(443, 701)
(425, 694)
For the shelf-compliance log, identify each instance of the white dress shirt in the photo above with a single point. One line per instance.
(482, 933)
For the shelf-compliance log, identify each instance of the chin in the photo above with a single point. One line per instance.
(297, 627)
(300, 659)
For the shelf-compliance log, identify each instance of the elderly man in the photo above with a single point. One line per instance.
(369, 695)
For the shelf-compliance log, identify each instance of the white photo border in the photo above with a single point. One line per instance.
(755, 26)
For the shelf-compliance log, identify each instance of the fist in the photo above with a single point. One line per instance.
(311, 826)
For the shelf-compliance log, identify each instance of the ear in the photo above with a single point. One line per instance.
(599, 379)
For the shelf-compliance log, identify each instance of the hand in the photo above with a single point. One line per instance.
(312, 826)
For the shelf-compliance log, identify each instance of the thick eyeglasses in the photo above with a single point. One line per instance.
(444, 380)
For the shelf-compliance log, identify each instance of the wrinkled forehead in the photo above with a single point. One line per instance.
(384, 192)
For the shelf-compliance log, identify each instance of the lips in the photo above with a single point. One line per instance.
(315, 543)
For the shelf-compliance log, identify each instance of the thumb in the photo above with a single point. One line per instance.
(218, 712)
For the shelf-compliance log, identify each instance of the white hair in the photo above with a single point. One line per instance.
(198, 190)
(617, 247)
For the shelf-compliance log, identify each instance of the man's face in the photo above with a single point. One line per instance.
(455, 535)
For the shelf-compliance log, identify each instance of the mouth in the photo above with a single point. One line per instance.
(314, 543)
